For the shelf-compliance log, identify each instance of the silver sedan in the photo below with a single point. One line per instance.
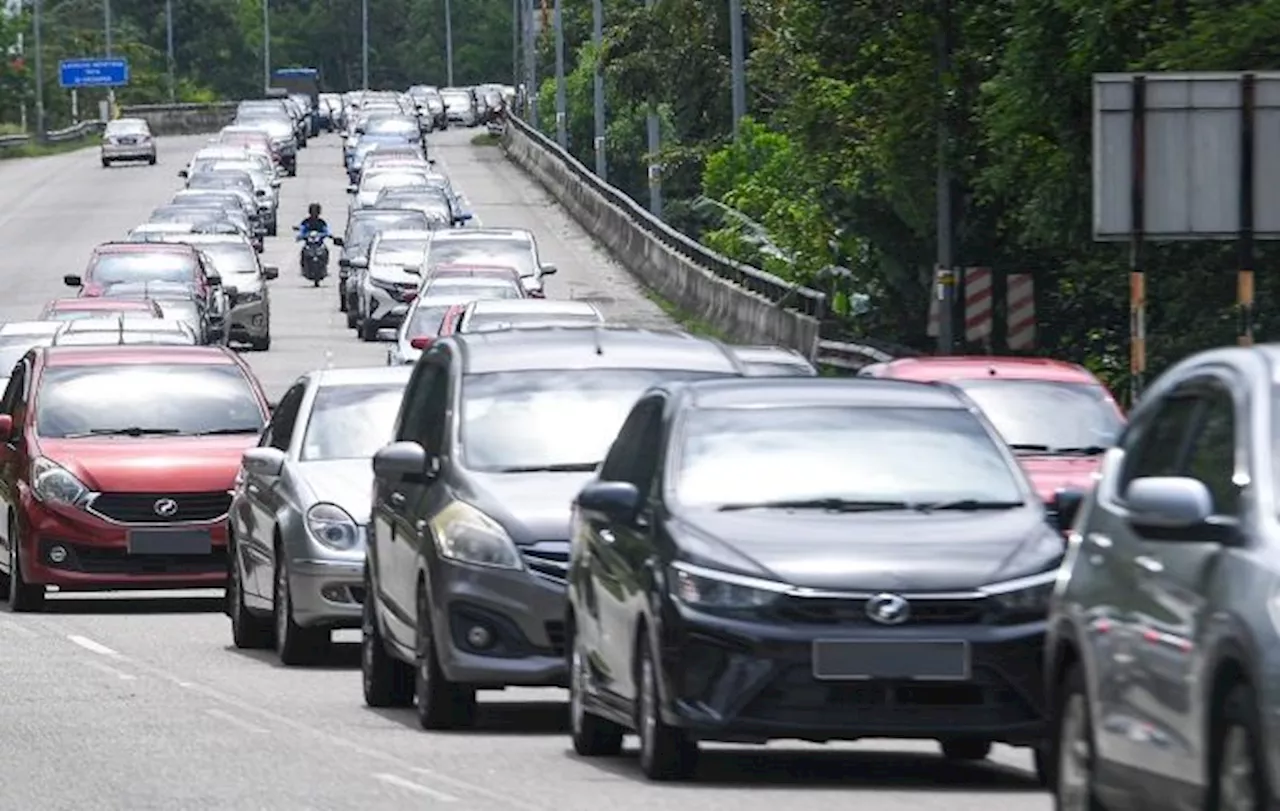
(300, 510)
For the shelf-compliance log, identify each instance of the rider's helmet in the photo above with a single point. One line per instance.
(314, 209)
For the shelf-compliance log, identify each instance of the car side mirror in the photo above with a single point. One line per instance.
(72, 280)
(1168, 502)
(352, 188)
(422, 342)
(549, 270)
(231, 292)
(466, 216)
(359, 262)
(263, 461)
(1066, 506)
(215, 280)
(6, 427)
(403, 462)
(183, 173)
(275, 184)
(270, 272)
(615, 501)
(339, 241)
(413, 270)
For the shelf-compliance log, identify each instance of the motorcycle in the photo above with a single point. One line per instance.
(315, 257)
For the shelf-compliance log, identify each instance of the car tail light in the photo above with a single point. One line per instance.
(421, 342)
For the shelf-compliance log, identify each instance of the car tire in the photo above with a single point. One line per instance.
(593, 736)
(292, 171)
(152, 160)
(260, 344)
(273, 230)
(667, 753)
(24, 597)
(965, 749)
(387, 681)
(106, 164)
(342, 298)
(295, 645)
(353, 318)
(368, 330)
(1237, 755)
(1073, 754)
(440, 703)
(248, 631)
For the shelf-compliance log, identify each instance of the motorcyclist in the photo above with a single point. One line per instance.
(315, 224)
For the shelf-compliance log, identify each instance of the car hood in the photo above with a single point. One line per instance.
(532, 506)
(1049, 474)
(151, 464)
(345, 482)
(898, 551)
(244, 282)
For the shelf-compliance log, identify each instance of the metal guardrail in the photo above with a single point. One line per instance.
(62, 136)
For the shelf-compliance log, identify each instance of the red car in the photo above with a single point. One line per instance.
(119, 466)
(1057, 417)
(71, 309)
(142, 262)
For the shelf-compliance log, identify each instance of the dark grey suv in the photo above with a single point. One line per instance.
(469, 544)
(1165, 628)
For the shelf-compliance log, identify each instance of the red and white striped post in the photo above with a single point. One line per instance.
(1020, 323)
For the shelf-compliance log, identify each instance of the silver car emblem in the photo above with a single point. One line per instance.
(888, 609)
(165, 507)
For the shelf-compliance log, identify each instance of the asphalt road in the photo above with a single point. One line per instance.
(123, 702)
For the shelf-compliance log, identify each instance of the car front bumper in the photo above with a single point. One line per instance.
(382, 309)
(121, 152)
(326, 593)
(739, 680)
(251, 319)
(523, 613)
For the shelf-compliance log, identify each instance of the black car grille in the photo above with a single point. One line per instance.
(548, 559)
(140, 508)
(115, 560)
(840, 611)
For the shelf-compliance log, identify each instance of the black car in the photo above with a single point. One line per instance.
(363, 225)
(469, 538)
(807, 559)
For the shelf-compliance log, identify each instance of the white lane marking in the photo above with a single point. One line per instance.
(416, 788)
(111, 671)
(14, 627)
(88, 644)
(235, 722)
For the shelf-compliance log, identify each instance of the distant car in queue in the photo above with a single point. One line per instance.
(17, 338)
(119, 467)
(363, 225)
(242, 271)
(126, 330)
(73, 309)
(528, 313)
(300, 514)
(178, 302)
(491, 246)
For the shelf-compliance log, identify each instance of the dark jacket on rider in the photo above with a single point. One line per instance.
(312, 224)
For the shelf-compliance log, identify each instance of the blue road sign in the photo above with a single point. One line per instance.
(93, 72)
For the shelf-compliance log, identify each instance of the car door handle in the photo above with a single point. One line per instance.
(1149, 564)
(397, 499)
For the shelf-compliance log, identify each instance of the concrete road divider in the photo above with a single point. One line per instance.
(183, 119)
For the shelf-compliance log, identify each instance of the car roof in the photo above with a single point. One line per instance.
(468, 282)
(600, 347)
(87, 303)
(856, 392)
(770, 354)
(132, 122)
(970, 367)
(363, 376)
(388, 210)
(144, 247)
(139, 354)
(31, 328)
(404, 233)
(212, 239)
(164, 227)
(467, 234)
(532, 305)
(134, 322)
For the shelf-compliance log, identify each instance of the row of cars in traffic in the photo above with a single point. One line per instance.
(700, 545)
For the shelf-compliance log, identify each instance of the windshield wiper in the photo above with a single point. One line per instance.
(567, 467)
(967, 504)
(829, 504)
(1086, 450)
(225, 431)
(1031, 448)
(133, 430)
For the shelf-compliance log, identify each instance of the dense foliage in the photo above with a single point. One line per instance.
(837, 164)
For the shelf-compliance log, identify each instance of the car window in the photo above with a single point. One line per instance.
(635, 453)
(351, 422)
(1044, 415)
(279, 431)
(426, 320)
(1155, 447)
(1211, 457)
(426, 400)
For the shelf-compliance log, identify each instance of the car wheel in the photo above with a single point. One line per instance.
(342, 298)
(1073, 747)
(105, 163)
(248, 631)
(273, 230)
(260, 344)
(368, 329)
(1238, 780)
(441, 704)
(294, 644)
(593, 736)
(292, 171)
(152, 160)
(24, 597)
(353, 318)
(666, 752)
(387, 681)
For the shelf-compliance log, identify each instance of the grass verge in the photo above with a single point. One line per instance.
(689, 323)
(34, 150)
(486, 139)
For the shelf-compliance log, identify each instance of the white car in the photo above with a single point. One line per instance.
(128, 139)
(487, 315)
(511, 247)
(386, 287)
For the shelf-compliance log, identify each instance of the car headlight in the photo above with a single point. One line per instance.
(463, 533)
(333, 527)
(708, 588)
(248, 296)
(1025, 598)
(54, 484)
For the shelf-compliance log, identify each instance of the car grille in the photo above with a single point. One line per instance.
(840, 611)
(548, 559)
(140, 508)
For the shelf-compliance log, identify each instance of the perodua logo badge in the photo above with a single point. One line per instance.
(165, 507)
(888, 609)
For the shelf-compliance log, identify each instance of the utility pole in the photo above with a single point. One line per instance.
(448, 40)
(111, 91)
(737, 60)
(364, 43)
(655, 144)
(597, 38)
(562, 123)
(266, 46)
(515, 43)
(35, 24)
(949, 288)
(168, 24)
(531, 57)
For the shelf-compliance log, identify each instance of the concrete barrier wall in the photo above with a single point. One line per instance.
(183, 119)
(740, 314)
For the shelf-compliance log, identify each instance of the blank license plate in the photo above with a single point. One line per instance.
(170, 542)
(921, 661)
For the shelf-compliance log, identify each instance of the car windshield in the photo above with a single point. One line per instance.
(13, 347)
(377, 183)
(81, 315)
(426, 321)
(351, 422)
(145, 399)
(763, 456)
(231, 258)
(456, 99)
(480, 321)
(535, 420)
(400, 247)
(390, 126)
(507, 252)
(122, 127)
(1045, 416)
(114, 268)
(472, 289)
